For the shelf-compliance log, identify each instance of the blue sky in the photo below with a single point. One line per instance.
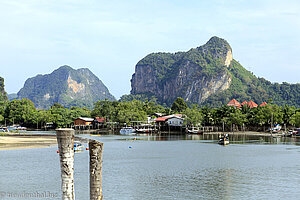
(110, 37)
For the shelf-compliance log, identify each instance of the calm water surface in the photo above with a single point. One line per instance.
(170, 167)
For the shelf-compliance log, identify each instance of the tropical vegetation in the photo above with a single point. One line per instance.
(23, 112)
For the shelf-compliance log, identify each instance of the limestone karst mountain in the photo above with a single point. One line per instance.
(66, 86)
(206, 75)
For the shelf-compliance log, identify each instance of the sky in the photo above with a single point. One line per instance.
(110, 37)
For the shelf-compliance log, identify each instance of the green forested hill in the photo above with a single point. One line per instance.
(206, 75)
(66, 86)
(3, 94)
(246, 86)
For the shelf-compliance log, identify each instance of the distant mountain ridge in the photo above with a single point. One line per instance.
(206, 75)
(66, 86)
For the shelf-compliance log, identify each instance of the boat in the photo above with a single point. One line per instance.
(194, 131)
(127, 131)
(224, 140)
(275, 129)
(143, 130)
(288, 134)
(4, 129)
(16, 128)
(297, 132)
(78, 147)
(93, 135)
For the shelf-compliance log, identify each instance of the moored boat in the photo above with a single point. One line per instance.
(78, 147)
(297, 132)
(127, 131)
(194, 131)
(224, 140)
(291, 133)
(4, 129)
(275, 129)
(16, 128)
(143, 130)
(288, 134)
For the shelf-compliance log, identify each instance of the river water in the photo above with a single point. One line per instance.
(166, 167)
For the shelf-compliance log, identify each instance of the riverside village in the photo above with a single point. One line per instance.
(150, 100)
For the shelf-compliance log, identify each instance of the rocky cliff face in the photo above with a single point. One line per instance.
(193, 75)
(66, 86)
(3, 94)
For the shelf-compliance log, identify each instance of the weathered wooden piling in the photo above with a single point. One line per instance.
(65, 141)
(96, 155)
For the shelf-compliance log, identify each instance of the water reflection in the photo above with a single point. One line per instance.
(213, 138)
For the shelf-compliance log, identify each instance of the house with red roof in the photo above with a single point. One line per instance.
(242, 104)
(234, 103)
(170, 120)
(251, 104)
(100, 120)
(263, 104)
(245, 102)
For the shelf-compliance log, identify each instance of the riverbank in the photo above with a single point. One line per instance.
(10, 141)
(13, 141)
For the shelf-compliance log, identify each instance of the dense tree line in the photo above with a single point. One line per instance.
(23, 112)
(258, 118)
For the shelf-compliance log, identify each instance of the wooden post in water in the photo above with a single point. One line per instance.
(96, 155)
(65, 141)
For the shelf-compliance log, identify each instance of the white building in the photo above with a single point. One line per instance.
(175, 121)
